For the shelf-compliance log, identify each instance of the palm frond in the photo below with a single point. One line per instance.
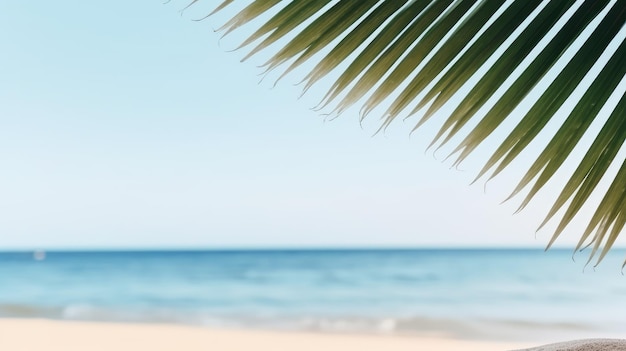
(418, 54)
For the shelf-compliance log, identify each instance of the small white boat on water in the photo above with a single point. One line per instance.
(39, 255)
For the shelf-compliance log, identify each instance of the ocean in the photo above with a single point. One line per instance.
(499, 294)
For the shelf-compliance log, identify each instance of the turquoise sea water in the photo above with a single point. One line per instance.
(486, 294)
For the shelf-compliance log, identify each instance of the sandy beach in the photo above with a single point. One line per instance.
(30, 335)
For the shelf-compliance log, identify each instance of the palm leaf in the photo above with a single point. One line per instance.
(413, 54)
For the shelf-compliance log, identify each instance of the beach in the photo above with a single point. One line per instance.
(303, 299)
(39, 334)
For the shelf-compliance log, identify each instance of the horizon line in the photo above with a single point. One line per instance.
(286, 248)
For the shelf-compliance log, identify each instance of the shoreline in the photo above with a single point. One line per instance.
(33, 334)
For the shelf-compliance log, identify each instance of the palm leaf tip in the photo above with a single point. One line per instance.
(413, 54)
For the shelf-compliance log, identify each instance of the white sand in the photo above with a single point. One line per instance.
(34, 335)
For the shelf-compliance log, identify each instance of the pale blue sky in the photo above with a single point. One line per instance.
(124, 124)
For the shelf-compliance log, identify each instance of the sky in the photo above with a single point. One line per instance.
(130, 125)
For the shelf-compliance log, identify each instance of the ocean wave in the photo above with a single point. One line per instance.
(28, 311)
(385, 325)
(442, 327)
